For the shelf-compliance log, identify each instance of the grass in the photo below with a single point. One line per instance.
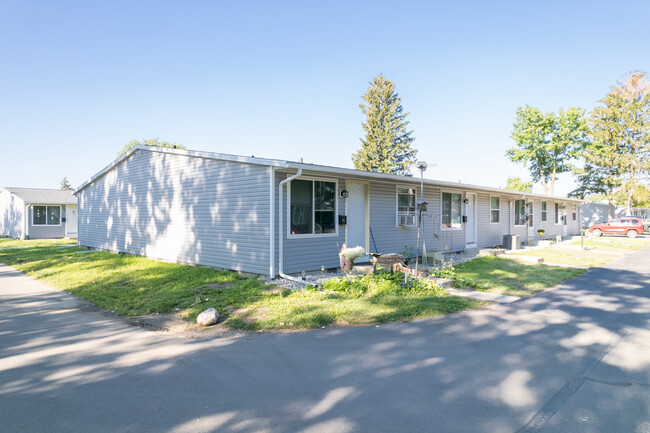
(509, 277)
(133, 286)
(616, 243)
(12, 243)
(569, 257)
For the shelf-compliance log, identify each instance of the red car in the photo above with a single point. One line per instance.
(630, 226)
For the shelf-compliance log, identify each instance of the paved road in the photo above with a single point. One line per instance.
(574, 359)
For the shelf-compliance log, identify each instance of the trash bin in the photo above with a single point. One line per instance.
(511, 242)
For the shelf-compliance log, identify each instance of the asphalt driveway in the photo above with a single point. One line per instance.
(573, 359)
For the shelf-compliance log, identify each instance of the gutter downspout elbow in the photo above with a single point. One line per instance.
(280, 233)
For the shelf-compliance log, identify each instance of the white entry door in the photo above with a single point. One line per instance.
(531, 220)
(71, 220)
(564, 221)
(356, 208)
(470, 226)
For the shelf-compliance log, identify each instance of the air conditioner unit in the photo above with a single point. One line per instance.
(407, 220)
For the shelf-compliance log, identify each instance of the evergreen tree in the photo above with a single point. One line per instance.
(386, 147)
(151, 142)
(65, 185)
(635, 92)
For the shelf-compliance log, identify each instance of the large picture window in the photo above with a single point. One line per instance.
(46, 215)
(451, 210)
(405, 206)
(495, 210)
(520, 213)
(313, 207)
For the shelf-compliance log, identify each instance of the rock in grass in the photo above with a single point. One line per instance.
(207, 317)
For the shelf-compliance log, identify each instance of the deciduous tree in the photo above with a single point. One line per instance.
(517, 184)
(150, 142)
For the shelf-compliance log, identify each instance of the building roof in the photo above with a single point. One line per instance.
(43, 196)
(315, 167)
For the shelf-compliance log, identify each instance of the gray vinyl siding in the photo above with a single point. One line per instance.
(12, 211)
(182, 209)
(45, 231)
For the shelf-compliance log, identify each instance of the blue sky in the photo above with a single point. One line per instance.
(78, 80)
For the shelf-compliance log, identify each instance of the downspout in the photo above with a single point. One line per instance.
(272, 223)
(280, 234)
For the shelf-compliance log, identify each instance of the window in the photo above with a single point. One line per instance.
(574, 211)
(313, 207)
(46, 215)
(557, 213)
(451, 210)
(405, 206)
(529, 213)
(520, 213)
(543, 211)
(495, 210)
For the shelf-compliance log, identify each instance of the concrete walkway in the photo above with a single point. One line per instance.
(573, 359)
(483, 296)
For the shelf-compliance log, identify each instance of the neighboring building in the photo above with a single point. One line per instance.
(232, 212)
(595, 213)
(35, 213)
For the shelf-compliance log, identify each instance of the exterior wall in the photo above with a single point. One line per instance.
(182, 209)
(45, 231)
(12, 211)
(594, 213)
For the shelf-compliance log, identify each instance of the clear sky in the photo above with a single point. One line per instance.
(279, 79)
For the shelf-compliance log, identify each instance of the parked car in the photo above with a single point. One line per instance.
(646, 224)
(630, 226)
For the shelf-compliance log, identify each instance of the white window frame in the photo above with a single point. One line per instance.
(415, 208)
(544, 210)
(46, 221)
(313, 210)
(522, 205)
(460, 224)
(498, 209)
(557, 207)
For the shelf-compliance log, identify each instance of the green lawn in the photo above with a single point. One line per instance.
(11, 243)
(570, 257)
(617, 243)
(132, 286)
(509, 277)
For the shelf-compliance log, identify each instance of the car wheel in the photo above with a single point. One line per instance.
(632, 233)
(597, 232)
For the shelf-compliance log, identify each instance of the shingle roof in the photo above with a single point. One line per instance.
(43, 196)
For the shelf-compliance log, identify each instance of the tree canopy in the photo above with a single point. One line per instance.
(547, 142)
(65, 185)
(386, 147)
(150, 142)
(517, 184)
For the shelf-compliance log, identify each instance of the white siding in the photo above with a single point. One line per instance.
(12, 211)
(181, 208)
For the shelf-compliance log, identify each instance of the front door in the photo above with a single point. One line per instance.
(470, 226)
(71, 220)
(531, 220)
(356, 208)
(564, 221)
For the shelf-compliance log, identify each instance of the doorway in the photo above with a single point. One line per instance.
(356, 208)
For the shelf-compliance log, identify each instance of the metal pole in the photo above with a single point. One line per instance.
(582, 242)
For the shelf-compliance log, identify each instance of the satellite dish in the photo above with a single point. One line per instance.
(421, 165)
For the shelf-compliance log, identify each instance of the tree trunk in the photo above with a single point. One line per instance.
(630, 194)
(552, 182)
(610, 203)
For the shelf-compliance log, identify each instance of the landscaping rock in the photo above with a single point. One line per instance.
(207, 317)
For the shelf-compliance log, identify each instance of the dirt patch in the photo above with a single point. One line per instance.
(174, 324)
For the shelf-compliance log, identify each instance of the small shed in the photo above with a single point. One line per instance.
(37, 213)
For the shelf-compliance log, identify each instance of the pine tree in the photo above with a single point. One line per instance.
(386, 147)
(65, 185)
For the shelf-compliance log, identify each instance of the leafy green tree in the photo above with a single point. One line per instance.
(386, 147)
(150, 142)
(547, 143)
(641, 196)
(65, 185)
(517, 184)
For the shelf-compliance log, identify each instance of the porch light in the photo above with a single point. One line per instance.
(345, 193)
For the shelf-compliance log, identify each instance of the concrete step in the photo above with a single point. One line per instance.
(491, 252)
(527, 259)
